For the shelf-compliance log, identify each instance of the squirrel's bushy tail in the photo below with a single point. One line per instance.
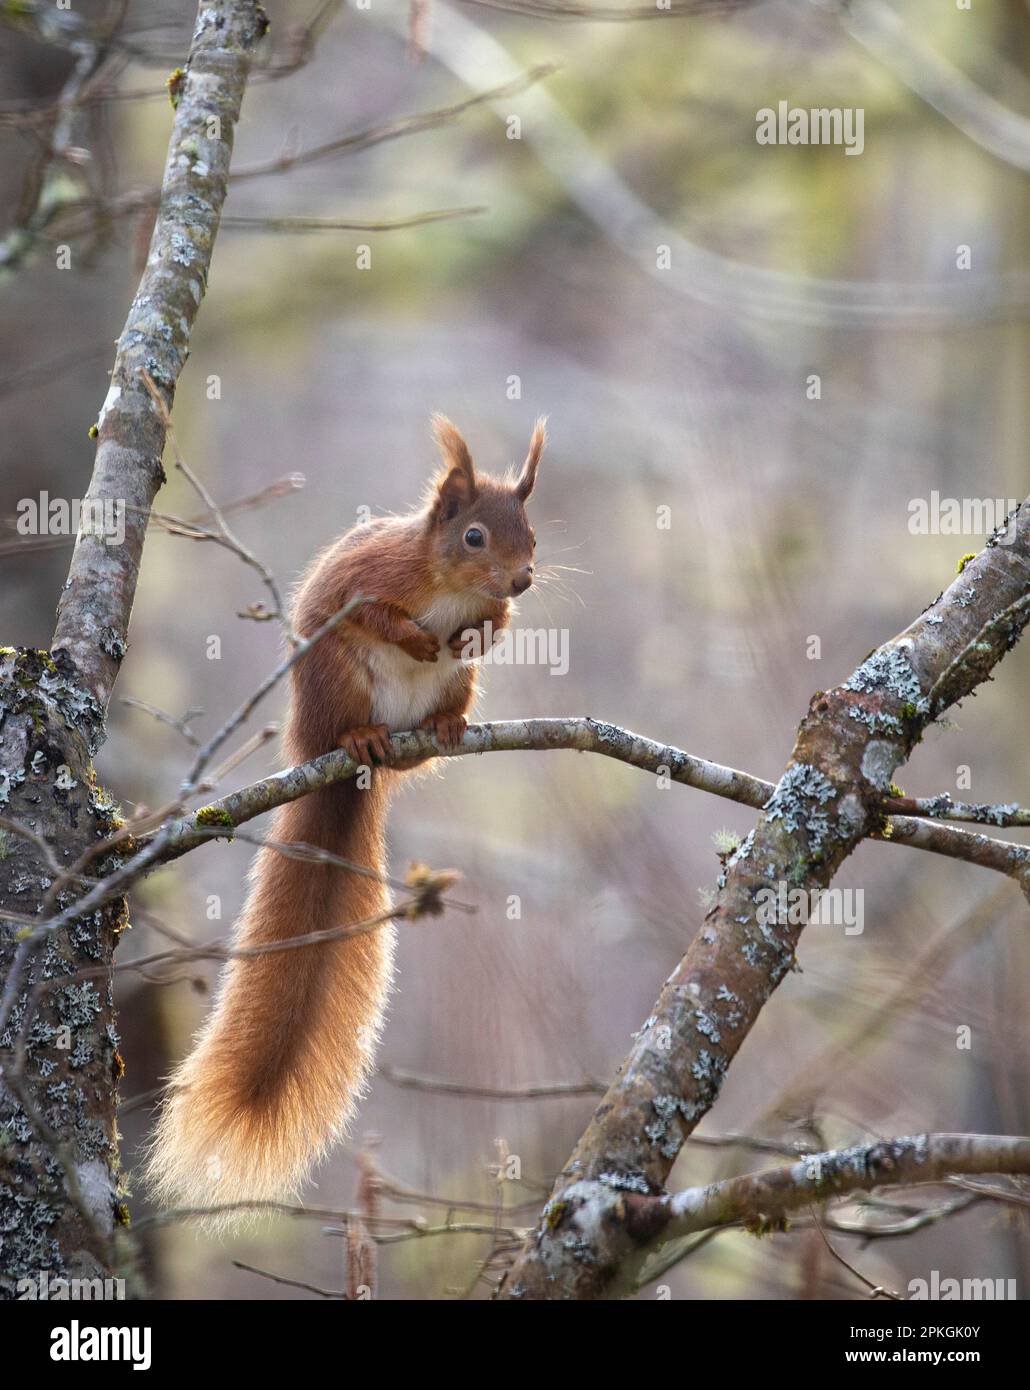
(279, 1065)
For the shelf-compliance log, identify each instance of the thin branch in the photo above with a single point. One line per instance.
(764, 1199)
(582, 735)
(291, 1283)
(457, 1088)
(192, 528)
(565, 11)
(130, 203)
(180, 724)
(604, 196)
(48, 189)
(942, 807)
(980, 117)
(852, 1038)
(223, 536)
(393, 130)
(905, 1225)
(874, 1289)
(242, 713)
(331, 224)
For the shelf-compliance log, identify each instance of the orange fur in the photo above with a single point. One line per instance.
(280, 1064)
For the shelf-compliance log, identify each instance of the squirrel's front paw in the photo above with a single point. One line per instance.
(422, 647)
(448, 728)
(364, 741)
(466, 641)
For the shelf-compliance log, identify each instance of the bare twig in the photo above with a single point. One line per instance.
(224, 536)
(291, 1283)
(332, 224)
(457, 1088)
(393, 130)
(875, 1289)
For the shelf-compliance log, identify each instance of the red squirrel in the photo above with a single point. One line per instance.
(284, 1056)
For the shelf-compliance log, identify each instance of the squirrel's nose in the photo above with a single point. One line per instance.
(522, 580)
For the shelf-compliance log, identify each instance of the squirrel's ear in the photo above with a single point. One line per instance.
(456, 485)
(527, 478)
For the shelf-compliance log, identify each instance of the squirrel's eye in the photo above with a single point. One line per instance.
(474, 538)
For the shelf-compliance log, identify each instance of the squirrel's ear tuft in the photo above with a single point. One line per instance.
(527, 478)
(455, 486)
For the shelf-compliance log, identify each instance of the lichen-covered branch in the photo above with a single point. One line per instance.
(848, 747)
(93, 616)
(765, 1198)
(585, 735)
(61, 1207)
(761, 1202)
(943, 807)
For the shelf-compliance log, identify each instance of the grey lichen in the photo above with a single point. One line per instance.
(8, 782)
(889, 670)
(877, 721)
(626, 1182)
(702, 1066)
(663, 1131)
(182, 250)
(708, 1027)
(77, 707)
(879, 760)
(606, 733)
(112, 643)
(799, 796)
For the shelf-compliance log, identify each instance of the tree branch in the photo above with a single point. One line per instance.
(93, 614)
(761, 1201)
(61, 1203)
(830, 797)
(885, 34)
(584, 735)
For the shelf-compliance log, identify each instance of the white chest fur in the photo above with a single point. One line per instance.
(405, 691)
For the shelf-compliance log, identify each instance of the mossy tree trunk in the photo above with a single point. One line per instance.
(60, 1198)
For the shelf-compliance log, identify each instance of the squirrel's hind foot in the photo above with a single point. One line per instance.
(365, 742)
(449, 729)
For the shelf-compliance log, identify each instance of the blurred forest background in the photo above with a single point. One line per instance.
(683, 388)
